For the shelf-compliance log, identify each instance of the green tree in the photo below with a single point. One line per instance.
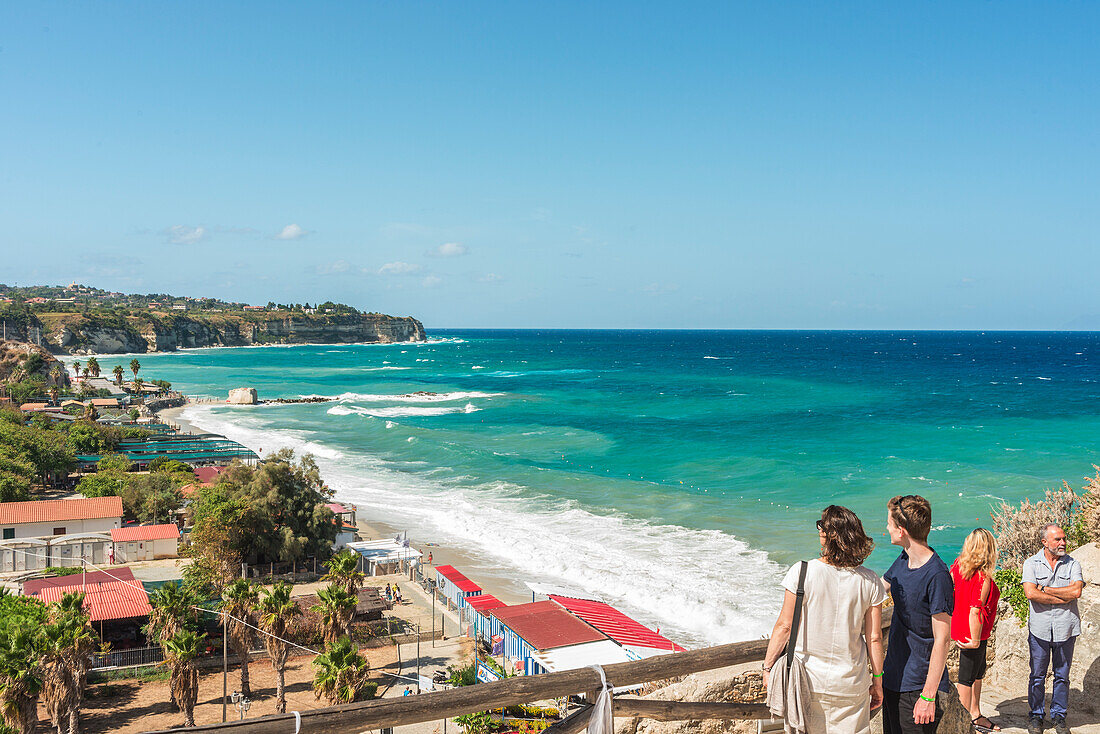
(173, 610)
(337, 608)
(46, 450)
(118, 372)
(276, 610)
(102, 484)
(343, 570)
(135, 366)
(20, 679)
(114, 462)
(152, 497)
(239, 601)
(93, 366)
(68, 642)
(181, 651)
(342, 673)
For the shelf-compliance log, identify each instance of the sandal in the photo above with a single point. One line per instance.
(987, 726)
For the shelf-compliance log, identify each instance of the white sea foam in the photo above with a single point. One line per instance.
(400, 411)
(699, 586)
(446, 397)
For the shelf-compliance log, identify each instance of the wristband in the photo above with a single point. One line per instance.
(876, 675)
(926, 698)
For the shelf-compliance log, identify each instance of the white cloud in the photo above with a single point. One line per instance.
(340, 266)
(291, 232)
(431, 281)
(449, 249)
(181, 234)
(400, 268)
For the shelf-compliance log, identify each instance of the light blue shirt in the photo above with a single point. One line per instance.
(1052, 622)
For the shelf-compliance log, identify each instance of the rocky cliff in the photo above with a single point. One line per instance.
(81, 334)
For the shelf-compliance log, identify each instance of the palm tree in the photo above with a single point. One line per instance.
(55, 375)
(341, 672)
(118, 372)
(67, 645)
(343, 570)
(76, 367)
(135, 366)
(55, 394)
(173, 607)
(90, 413)
(93, 366)
(84, 373)
(276, 609)
(239, 602)
(138, 382)
(20, 680)
(180, 652)
(337, 607)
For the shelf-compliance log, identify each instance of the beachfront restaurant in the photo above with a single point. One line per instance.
(454, 586)
(480, 624)
(638, 640)
(530, 629)
(381, 557)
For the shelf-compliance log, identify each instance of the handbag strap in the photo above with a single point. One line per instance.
(792, 641)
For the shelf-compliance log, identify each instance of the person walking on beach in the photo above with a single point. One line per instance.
(1052, 582)
(839, 639)
(976, 596)
(916, 658)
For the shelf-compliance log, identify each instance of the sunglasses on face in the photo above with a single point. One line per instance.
(821, 526)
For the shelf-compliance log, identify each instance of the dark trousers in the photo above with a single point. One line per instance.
(1043, 653)
(897, 713)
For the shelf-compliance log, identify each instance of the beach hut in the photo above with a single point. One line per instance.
(571, 657)
(476, 612)
(637, 639)
(454, 586)
(536, 627)
(384, 556)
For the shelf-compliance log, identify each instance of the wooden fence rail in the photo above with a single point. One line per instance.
(390, 712)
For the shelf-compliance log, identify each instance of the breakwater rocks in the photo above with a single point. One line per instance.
(292, 401)
(91, 334)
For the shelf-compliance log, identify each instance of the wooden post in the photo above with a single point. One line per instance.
(225, 664)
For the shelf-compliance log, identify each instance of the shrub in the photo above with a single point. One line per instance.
(1012, 591)
(1019, 529)
(1088, 514)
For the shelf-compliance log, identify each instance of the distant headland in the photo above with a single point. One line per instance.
(77, 319)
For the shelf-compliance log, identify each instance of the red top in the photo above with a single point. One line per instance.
(456, 577)
(968, 594)
(615, 624)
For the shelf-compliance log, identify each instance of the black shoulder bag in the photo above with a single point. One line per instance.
(792, 641)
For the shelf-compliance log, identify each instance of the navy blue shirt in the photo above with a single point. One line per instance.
(918, 594)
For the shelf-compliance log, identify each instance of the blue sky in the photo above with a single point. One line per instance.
(552, 164)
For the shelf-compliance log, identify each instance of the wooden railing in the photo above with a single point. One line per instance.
(390, 712)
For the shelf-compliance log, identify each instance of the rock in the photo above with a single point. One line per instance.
(715, 685)
(242, 396)
(1012, 669)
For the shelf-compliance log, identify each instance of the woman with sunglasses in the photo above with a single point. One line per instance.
(839, 638)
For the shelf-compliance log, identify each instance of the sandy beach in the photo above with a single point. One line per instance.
(372, 527)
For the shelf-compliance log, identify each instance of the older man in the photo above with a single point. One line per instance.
(1052, 583)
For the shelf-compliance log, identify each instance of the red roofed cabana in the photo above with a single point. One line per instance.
(454, 585)
(540, 625)
(115, 601)
(145, 542)
(632, 635)
(476, 612)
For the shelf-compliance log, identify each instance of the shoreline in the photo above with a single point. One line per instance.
(371, 527)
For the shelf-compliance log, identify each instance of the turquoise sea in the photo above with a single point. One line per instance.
(675, 474)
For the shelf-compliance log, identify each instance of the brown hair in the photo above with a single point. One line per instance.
(846, 545)
(913, 514)
(979, 553)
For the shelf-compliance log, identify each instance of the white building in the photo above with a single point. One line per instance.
(47, 518)
(145, 542)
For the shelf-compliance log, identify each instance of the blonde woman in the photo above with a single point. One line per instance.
(976, 596)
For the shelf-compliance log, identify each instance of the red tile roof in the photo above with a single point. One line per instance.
(484, 603)
(208, 474)
(104, 402)
(545, 625)
(104, 600)
(616, 625)
(32, 587)
(458, 579)
(93, 508)
(33, 406)
(145, 532)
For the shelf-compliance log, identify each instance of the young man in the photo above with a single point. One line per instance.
(916, 658)
(1052, 583)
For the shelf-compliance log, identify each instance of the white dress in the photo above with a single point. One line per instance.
(830, 643)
